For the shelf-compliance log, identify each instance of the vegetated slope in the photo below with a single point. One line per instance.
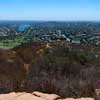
(66, 69)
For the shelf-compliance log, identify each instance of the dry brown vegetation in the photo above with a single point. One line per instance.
(66, 69)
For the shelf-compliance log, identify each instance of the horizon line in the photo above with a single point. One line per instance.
(50, 20)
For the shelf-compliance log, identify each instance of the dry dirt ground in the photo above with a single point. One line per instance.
(35, 96)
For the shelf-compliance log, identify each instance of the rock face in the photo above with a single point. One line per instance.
(35, 96)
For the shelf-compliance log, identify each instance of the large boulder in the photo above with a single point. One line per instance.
(19, 96)
(46, 96)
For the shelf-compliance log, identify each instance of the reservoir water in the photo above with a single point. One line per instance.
(22, 27)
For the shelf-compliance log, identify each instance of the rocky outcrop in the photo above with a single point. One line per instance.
(46, 96)
(35, 96)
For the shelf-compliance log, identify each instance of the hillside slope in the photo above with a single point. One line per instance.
(66, 69)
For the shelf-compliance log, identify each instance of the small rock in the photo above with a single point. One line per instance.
(97, 94)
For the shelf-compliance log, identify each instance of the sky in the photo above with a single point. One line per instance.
(50, 10)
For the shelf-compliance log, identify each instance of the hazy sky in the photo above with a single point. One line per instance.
(50, 9)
